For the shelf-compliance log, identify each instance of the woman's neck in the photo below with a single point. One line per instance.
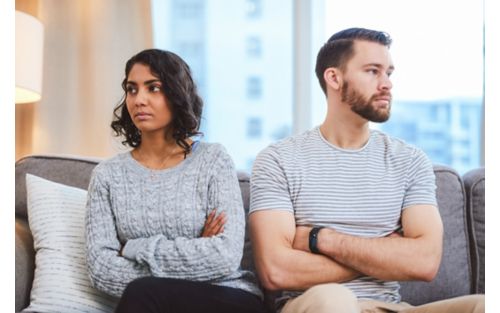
(159, 154)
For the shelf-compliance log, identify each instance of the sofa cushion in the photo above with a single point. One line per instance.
(56, 214)
(474, 182)
(454, 275)
(70, 170)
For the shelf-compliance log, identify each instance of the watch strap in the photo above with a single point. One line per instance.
(313, 239)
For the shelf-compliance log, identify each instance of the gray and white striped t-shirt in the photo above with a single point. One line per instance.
(358, 192)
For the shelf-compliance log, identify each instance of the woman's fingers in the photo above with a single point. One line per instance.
(221, 221)
(214, 224)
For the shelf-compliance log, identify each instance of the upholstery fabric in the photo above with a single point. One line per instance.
(454, 276)
(25, 263)
(474, 182)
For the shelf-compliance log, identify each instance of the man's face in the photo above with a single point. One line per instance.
(366, 87)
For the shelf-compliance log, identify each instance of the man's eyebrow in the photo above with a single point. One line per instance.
(378, 65)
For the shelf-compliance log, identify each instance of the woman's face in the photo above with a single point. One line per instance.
(147, 105)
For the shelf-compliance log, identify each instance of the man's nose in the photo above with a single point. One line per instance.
(386, 83)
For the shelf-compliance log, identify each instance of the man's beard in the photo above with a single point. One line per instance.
(364, 107)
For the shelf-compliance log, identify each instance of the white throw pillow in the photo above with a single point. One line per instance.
(56, 215)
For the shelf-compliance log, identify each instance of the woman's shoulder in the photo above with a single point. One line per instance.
(112, 163)
(209, 148)
(213, 152)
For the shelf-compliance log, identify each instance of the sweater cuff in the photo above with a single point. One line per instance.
(132, 247)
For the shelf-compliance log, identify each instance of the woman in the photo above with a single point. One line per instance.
(165, 221)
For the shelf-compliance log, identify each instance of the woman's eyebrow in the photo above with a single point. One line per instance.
(151, 81)
(147, 82)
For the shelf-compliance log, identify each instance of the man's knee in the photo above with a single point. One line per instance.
(327, 298)
(475, 303)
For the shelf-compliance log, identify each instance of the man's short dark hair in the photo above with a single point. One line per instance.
(339, 49)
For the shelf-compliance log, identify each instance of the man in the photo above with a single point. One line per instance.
(369, 197)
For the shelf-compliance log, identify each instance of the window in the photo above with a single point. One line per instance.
(254, 9)
(223, 43)
(254, 127)
(254, 88)
(189, 9)
(247, 59)
(254, 47)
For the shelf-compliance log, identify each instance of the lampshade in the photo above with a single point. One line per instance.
(29, 58)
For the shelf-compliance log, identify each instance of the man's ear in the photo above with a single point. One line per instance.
(333, 78)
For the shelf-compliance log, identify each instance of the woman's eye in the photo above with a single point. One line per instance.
(131, 90)
(154, 88)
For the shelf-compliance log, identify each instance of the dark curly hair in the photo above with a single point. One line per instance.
(177, 86)
(338, 50)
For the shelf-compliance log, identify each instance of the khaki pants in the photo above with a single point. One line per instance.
(335, 298)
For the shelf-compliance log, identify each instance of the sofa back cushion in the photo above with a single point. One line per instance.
(454, 276)
(71, 171)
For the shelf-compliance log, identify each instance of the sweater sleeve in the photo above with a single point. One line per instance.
(200, 259)
(108, 271)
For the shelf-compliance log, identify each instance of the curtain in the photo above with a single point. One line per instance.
(87, 43)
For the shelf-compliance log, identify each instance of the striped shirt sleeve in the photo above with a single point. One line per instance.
(421, 188)
(268, 183)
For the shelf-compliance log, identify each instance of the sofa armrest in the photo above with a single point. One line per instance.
(25, 263)
(474, 182)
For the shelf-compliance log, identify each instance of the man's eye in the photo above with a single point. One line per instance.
(373, 71)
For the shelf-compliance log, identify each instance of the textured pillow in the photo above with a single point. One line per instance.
(56, 215)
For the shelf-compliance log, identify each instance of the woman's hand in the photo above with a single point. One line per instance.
(214, 225)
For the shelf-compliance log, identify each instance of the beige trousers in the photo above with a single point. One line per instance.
(335, 298)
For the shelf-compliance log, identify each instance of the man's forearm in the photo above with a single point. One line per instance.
(387, 258)
(289, 269)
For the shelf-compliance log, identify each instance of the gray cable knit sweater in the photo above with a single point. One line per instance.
(159, 216)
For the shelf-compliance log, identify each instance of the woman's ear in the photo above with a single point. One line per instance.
(333, 78)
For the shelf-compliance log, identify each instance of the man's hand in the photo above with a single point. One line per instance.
(214, 225)
(301, 240)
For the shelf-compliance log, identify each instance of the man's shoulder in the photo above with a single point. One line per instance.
(395, 145)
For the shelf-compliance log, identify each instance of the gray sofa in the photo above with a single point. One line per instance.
(461, 203)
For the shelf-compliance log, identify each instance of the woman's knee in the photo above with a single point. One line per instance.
(138, 286)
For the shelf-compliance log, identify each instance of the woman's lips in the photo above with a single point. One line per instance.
(142, 116)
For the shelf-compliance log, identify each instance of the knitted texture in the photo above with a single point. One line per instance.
(158, 217)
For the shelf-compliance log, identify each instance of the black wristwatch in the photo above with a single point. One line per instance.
(313, 239)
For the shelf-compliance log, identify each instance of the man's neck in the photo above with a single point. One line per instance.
(345, 132)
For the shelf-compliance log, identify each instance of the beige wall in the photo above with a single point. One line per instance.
(24, 112)
(87, 43)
